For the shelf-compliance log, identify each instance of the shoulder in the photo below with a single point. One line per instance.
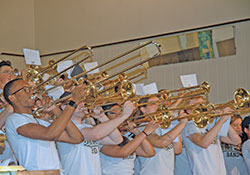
(16, 120)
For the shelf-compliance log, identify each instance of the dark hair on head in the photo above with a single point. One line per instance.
(107, 107)
(62, 77)
(245, 124)
(6, 89)
(5, 63)
(65, 94)
(235, 117)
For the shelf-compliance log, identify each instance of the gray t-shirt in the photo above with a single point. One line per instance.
(203, 161)
(32, 154)
(246, 153)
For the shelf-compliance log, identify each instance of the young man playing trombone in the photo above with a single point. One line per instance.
(32, 139)
(83, 158)
(163, 162)
(203, 145)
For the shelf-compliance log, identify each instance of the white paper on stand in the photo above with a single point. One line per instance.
(150, 89)
(64, 65)
(189, 80)
(55, 93)
(32, 56)
(139, 88)
(89, 66)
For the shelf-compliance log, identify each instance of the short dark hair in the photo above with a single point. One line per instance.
(6, 89)
(245, 124)
(5, 63)
(108, 107)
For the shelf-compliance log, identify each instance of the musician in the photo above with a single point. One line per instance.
(234, 162)
(203, 145)
(119, 159)
(32, 139)
(161, 139)
(84, 158)
(6, 74)
(246, 141)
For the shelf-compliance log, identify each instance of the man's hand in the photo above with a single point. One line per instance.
(151, 127)
(79, 93)
(127, 109)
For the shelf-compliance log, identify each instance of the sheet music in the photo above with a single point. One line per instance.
(89, 66)
(189, 80)
(32, 56)
(64, 65)
(139, 88)
(150, 89)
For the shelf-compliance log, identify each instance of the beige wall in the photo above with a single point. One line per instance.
(63, 24)
(224, 74)
(53, 25)
(17, 25)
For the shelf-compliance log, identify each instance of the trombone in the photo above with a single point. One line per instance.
(35, 74)
(114, 59)
(202, 114)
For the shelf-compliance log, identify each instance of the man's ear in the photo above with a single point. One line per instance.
(12, 98)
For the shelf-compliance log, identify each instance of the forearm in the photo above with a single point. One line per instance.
(107, 127)
(115, 135)
(232, 138)
(169, 137)
(73, 132)
(131, 146)
(209, 137)
(59, 125)
(177, 147)
(147, 148)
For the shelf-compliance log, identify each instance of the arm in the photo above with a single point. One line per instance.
(71, 134)
(104, 129)
(207, 139)
(130, 147)
(232, 137)
(115, 136)
(54, 131)
(178, 146)
(166, 139)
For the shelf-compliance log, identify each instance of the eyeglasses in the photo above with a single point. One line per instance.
(25, 88)
(8, 72)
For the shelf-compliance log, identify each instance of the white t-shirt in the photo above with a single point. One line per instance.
(246, 153)
(160, 164)
(82, 159)
(115, 166)
(32, 154)
(203, 161)
(234, 162)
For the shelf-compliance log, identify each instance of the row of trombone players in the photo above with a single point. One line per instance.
(88, 132)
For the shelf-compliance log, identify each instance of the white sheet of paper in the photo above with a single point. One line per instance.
(89, 66)
(55, 93)
(32, 56)
(150, 89)
(189, 80)
(139, 88)
(64, 65)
